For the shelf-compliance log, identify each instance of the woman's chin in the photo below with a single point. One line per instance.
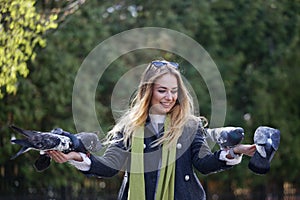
(160, 110)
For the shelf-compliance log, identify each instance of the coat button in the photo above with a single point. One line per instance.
(145, 146)
(187, 178)
(179, 146)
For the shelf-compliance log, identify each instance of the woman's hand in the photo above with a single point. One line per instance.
(246, 149)
(61, 157)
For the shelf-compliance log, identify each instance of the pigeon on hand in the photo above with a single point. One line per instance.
(57, 139)
(226, 137)
(81, 142)
(41, 141)
(267, 141)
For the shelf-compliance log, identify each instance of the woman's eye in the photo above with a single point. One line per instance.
(174, 91)
(161, 91)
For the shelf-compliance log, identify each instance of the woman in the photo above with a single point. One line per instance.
(157, 142)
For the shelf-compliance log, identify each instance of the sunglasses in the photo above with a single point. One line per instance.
(161, 63)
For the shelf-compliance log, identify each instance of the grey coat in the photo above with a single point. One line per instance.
(192, 152)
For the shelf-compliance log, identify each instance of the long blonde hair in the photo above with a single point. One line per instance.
(138, 112)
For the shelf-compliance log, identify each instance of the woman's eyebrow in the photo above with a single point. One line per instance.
(163, 87)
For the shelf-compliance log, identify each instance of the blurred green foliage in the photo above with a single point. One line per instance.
(255, 45)
(22, 28)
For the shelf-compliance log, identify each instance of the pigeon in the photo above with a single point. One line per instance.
(226, 137)
(267, 141)
(58, 140)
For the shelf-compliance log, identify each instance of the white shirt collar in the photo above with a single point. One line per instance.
(157, 119)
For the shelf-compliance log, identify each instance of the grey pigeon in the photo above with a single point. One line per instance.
(226, 137)
(267, 141)
(57, 139)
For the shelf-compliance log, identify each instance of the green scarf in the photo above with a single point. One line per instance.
(165, 187)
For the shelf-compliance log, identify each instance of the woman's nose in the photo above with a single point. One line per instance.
(169, 95)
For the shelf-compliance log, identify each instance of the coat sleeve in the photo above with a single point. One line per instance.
(204, 160)
(108, 165)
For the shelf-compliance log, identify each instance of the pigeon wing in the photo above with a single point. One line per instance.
(42, 163)
(261, 150)
(44, 141)
(275, 136)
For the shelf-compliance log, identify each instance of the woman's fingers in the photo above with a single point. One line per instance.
(247, 149)
(61, 157)
(58, 156)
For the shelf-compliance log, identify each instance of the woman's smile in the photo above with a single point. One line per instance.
(164, 94)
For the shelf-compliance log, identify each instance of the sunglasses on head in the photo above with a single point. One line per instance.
(162, 63)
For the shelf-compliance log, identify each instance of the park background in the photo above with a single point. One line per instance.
(255, 45)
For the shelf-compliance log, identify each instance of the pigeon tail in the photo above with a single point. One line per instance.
(22, 150)
(27, 133)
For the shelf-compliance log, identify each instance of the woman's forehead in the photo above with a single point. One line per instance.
(167, 80)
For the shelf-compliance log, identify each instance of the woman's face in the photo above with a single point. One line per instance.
(164, 94)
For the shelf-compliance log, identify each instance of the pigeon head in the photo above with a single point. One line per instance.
(90, 141)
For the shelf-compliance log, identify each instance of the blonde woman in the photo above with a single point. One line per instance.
(158, 142)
